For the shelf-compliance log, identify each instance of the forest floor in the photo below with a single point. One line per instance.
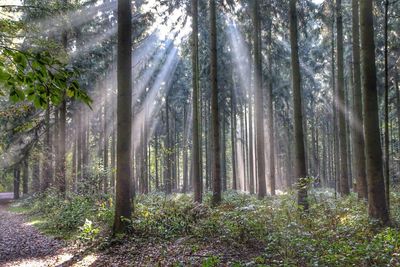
(44, 230)
(23, 245)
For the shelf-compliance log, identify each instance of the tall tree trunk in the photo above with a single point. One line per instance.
(156, 158)
(36, 175)
(223, 152)
(259, 102)
(62, 183)
(185, 150)
(377, 207)
(233, 139)
(79, 150)
(74, 179)
(168, 163)
(105, 146)
(196, 150)
(387, 134)
(17, 181)
(123, 204)
(300, 160)
(358, 120)
(216, 164)
(250, 143)
(336, 159)
(25, 177)
(344, 180)
(270, 118)
(47, 173)
(398, 112)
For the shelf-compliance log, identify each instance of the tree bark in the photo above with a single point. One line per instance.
(377, 207)
(299, 159)
(17, 182)
(123, 204)
(344, 180)
(358, 120)
(387, 134)
(216, 164)
(259, 102)
(196, 150)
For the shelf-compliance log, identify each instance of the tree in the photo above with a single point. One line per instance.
(358, 120)
(259, 103)
(387, 159)
(123, 205)
(17, 181)
(197, 179)
(216, 164)
(340, 105)
(377, 207)
(300, 171)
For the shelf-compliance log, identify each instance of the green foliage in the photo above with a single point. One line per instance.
(70, 216)
(88, 232)
(212, 261)
(39, 78)
(335, 232)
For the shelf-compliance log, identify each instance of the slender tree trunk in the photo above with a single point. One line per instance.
(61, 175)
(36, 174)
(156, 156)
(358, 120)
(250, 143)
(398, 112)
(270, 119)
(344, 181)
(25, 177)
(123, 204)
(185, 150)
(387, 134)
(17, 181)
(47, 174)
(216, 164)
(105, 146)
(233, 139)
(196, 150)
(299, 161)
(223, 153)
(377, 207)
(168, 166)
(74, 179)
(259, 102)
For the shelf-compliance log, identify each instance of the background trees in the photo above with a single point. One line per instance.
(210, 91)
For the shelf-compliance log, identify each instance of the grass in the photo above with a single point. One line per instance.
(269, 232)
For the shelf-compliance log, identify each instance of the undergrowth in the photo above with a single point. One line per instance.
(335, 232)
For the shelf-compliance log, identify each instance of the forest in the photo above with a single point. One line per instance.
(199, 133)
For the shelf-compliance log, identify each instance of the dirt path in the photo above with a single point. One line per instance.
(23, 245)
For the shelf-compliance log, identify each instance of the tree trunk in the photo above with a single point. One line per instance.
(25, 177)
(270, 119)
(123, 204)
(344, 180)
(377, 207)
(387, 134)
(358, 120)
(233, 139)
(17, 182)
(47, 174)
(259, 102)
(299, 160)
(36, 175)
(216, 164)
(196, 150)
(105, 147)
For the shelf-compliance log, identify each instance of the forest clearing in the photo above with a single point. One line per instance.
(199, 133)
